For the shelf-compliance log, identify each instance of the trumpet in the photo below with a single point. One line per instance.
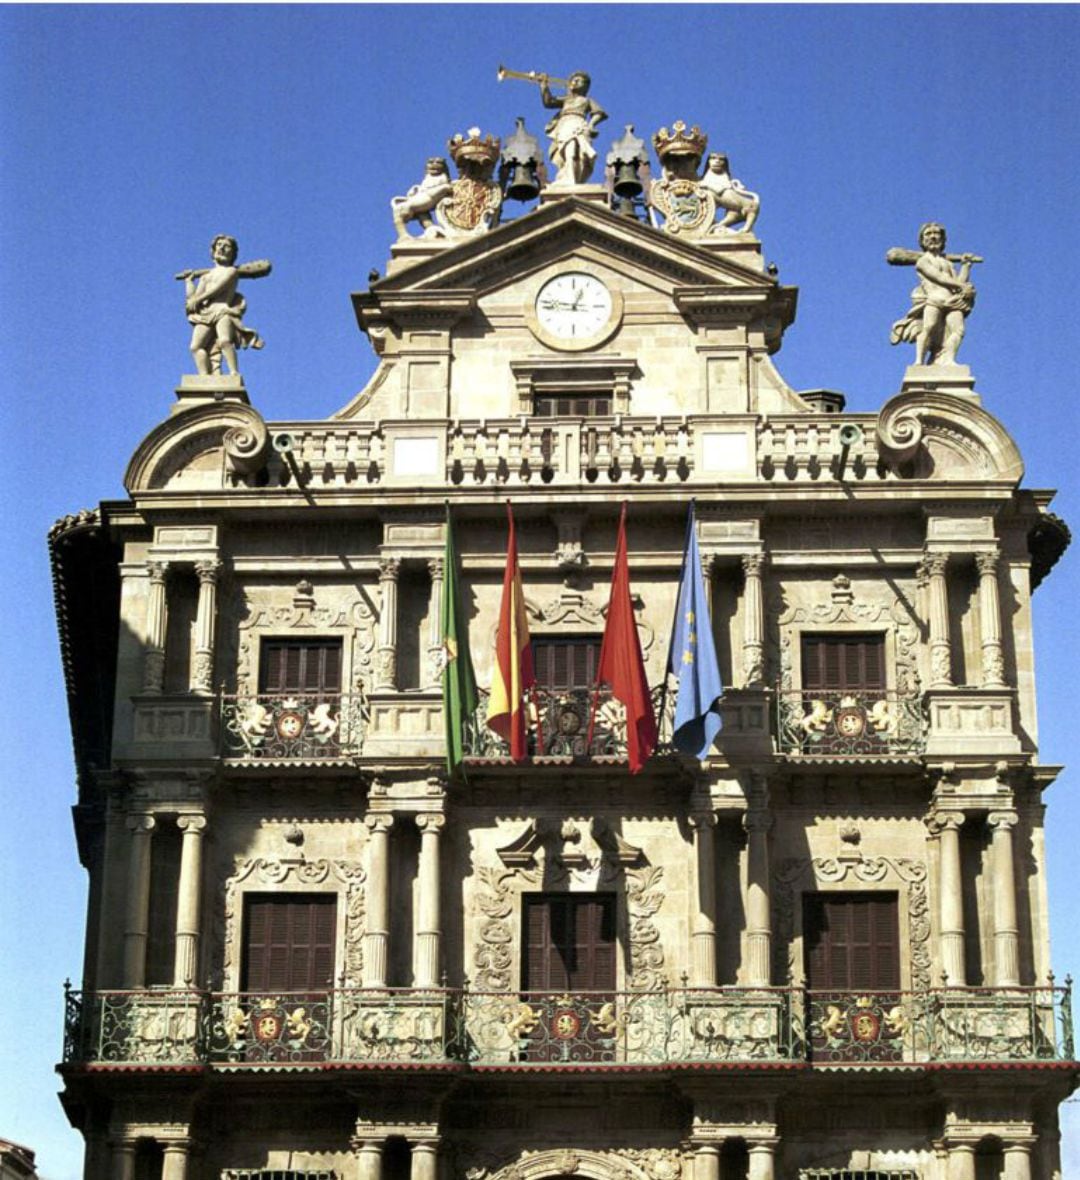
(531, 76)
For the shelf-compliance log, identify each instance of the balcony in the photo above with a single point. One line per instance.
(814, 723)
(558, 727)
(658, 1029)
(272, 727)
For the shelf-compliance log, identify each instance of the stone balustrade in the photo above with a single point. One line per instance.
(541, 451)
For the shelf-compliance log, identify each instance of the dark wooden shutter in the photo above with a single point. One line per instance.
(852, 941)
(835, 663)
(311, 666)
(569, 942)
(289, 942)
(566, 664)
(164, 890)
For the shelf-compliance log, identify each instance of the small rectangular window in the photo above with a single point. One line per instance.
(308, 666)
(582, 404)
(843, 662)
(566, 663)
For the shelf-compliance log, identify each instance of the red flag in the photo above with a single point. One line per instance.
(512, 676)
(621, 663)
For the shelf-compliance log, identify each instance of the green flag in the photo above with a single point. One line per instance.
(460, 700)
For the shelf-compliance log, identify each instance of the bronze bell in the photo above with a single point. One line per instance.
(627, 183)
(522, 184)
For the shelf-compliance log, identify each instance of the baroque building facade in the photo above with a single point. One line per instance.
(821, 952)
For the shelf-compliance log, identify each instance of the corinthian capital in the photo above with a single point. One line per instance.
(986, 563)
(389, 569)
(208, 572)
(753, 564)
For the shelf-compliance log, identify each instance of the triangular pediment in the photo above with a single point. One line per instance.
(566, 229)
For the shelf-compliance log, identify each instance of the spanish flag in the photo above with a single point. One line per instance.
(513, 674)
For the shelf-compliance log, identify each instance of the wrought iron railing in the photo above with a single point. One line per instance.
(301, 726)
(655, 1028)
(558, 722)
(850, 723)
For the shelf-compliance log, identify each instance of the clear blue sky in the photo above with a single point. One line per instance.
(131, 135)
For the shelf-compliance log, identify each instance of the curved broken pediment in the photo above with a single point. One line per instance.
(198, 448)
(923, 434)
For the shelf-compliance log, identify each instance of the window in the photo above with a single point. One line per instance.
(307, 666)
(569, 942)
(843, 663)
(851, 942)
(566, 663)
(572, 405)
(288, 942)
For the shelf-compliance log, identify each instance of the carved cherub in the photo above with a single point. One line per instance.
(216, 308)
(421, 199)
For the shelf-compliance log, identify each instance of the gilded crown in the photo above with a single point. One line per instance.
(472, 148)
(680, 141)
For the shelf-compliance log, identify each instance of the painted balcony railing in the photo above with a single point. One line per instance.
(301, 726)
(558, 726)
(942, 1025)
(636, 1028)
(398, 1026)
(863, 723)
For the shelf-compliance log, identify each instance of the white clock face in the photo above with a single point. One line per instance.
(573, 306)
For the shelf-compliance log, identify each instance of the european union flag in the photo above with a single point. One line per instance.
(692, 658)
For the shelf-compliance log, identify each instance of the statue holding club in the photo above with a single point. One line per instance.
(940, 303)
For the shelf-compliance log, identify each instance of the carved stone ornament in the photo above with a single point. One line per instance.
(571, 611)
(200, 447)
(621, 1163)
(924, 434)
(260, 873)
(475, 199)
(895, 614)
(794, 875)
(498, 888)
(266, 612)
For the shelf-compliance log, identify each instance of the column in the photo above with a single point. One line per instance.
(386, 654)
(762, 1158)
(707, 1161)
(369, 1155)
(428, 926)
(157, 618)
(377, 937)
(993, 661)
(703, 936)
(175, 1164)
(934, 565)
(1018, 1159)
(434, 652)
(757, 823)
(425, 1159)
(961, 1164)
(1006, 932)
(946, 826)
(189, 901)
(138, 900)
(105, 974)
(753, 565)
(123, 1160)
(202, 674)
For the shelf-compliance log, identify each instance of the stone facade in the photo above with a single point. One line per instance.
(209, 789)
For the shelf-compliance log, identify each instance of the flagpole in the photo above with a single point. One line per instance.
(675, 617)
(600, 661)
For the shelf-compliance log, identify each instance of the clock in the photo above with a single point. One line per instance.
(574, 310)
